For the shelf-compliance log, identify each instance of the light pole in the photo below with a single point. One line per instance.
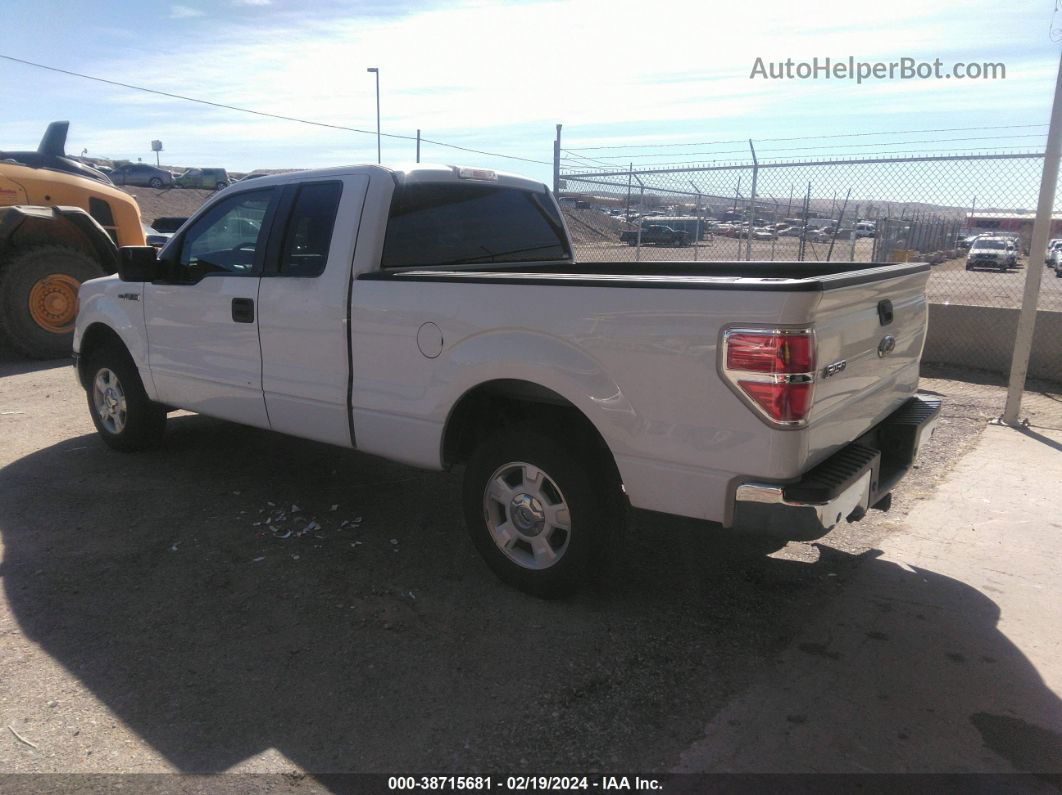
(376, 71)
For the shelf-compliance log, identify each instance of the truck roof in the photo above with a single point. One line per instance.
(408, 173)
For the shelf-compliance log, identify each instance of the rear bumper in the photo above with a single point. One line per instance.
(843, 486)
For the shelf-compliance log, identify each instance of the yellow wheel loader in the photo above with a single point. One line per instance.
(61, 223)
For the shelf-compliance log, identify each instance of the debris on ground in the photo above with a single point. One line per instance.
(22, 739)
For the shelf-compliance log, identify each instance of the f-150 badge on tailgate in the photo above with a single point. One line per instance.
(834, 369)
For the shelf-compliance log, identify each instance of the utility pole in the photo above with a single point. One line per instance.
(1034, 270)
(556, 161)
(376, 71)
(418, 144)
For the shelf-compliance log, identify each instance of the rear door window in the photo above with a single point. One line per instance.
(449, 224)
(309, 230)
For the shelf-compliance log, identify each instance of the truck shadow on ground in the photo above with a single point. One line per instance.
(389, 646)
(13, 363)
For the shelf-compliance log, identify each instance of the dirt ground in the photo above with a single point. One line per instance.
(150, 620)
(159, 202)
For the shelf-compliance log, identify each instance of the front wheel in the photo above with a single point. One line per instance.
(540, 512)
(125, 417)
(155, 182)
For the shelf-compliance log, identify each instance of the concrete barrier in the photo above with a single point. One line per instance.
(982, 337)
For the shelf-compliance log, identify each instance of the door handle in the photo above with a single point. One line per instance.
(243, 310)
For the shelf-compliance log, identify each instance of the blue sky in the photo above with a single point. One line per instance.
(499, 76)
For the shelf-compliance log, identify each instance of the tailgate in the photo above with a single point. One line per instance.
(869, 338)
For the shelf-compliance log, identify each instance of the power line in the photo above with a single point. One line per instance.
(807, 137)
(261, 112)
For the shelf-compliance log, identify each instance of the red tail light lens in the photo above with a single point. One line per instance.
(774, 370)
(782, 402)
(770, 353)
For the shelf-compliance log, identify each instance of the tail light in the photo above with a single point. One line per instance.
(773, 370)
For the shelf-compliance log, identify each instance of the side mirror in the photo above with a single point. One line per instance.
(138, 263)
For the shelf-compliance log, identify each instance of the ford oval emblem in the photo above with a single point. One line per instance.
(886, 346)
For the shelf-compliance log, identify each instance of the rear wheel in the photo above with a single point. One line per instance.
(38, 298)
(124, 416)
(541, 512)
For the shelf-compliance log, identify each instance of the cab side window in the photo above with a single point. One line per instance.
(309, 230)
(227, 238)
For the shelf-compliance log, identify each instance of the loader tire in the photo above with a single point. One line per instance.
(38, 298)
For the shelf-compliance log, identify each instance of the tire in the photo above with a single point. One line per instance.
(125, 418)
(969, 267)
(155, 182)
(503, 495)
(38, 298)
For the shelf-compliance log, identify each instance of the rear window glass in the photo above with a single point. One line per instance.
(450, 224)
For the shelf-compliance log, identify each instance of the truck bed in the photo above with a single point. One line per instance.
(643, 362)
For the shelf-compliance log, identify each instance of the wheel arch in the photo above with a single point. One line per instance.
(505, 402)
(23, 227)
(96, 336)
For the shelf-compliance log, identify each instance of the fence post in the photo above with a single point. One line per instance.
(698, 225)
(556, 159)
(641, 208)
(752, 202)
(1034, 271)
(630, 176)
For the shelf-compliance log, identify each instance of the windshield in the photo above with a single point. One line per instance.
(990, 244)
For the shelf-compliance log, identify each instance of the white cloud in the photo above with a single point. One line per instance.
(184, 12)
(252, 2)
(457, 73)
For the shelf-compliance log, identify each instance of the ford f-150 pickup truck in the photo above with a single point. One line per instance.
(435, 316)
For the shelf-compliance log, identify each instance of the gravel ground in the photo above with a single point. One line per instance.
(949, 281)
(152, 621)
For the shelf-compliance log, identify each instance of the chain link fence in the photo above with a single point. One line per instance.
(856, 210)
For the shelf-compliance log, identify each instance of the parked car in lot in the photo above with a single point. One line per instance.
(142, 175)
(162, 229)
(1055, 261)
(764, 234)
(865, 229)
(992, 252)
(435, 316)
(656, 235)
(1052, 246)
(203, 178)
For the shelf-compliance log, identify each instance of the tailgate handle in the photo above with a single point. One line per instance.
(885, 312)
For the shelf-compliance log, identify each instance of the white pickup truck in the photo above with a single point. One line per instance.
(435, 316)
